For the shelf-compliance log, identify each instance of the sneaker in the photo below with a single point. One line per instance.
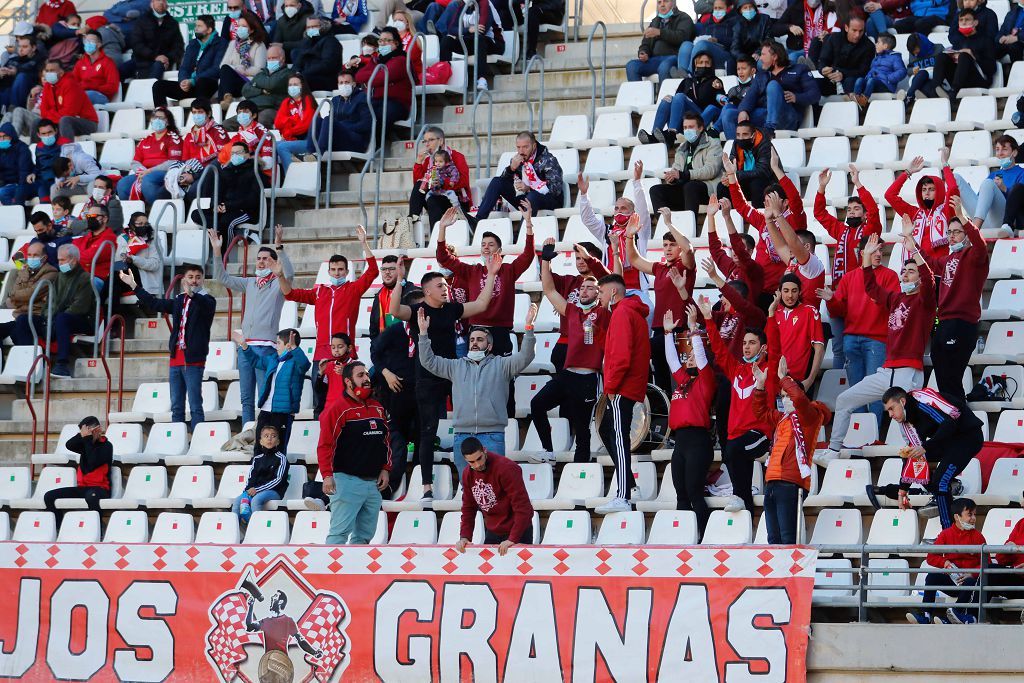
(659, 135)
(431, 28)
(823, 458)
(939, 620)
(314, 504)
(901, 95)
(61, 370)
(959, 616)
(614, 505)
(712, 132)
(427, 499)
(1005, 230)
(956, 489)
(909, 102)
(735, 504)
(541, 457)
(644, 137)
(481, 84)
(873, 497)
(922, 618)
(930, 510)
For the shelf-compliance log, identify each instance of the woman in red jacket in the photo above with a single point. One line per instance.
(96, 72)
(399, 100)
(204, 139)
(293, 119)
(65, 101)
(154, 155)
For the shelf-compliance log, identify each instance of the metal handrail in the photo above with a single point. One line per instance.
(174, 228)
(517, 35)
(379, 166)
(274, 181)
(50, 287)
(213, 203)
(593, 70)
(321, 158)
(96, 292)
(577, 19)
(420, 111)
(536, 59)
(371, 153)
(259, 177)
(46, 402)
(482, 171)
(168, 294)
(245, 268)
(476, 49)
(114, 320)
(643, 12)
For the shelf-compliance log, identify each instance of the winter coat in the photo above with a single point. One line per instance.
(268, 90)
(319, 60)
(257, 58)
(888, 67)
(152, 37)
(548, 169)
(705, 161)
(794, 78)
(202, 64)
(748, 35)
(24, 284)
(290, 31)
(283, 375)
(675, 30)
(930, 8)
(853, 60)
(15, 164)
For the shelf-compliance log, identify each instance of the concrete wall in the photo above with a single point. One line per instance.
(623, 11)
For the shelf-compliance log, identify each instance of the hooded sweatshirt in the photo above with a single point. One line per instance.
(925, 56)
(930, 222)
(94, 460)
(962, 276)
(627, 350)
(15, 164)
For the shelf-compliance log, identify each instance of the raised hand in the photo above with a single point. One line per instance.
(725, 204)
(823, 180)
(728, 165)
(760, 376)
(449, 218)
(633, 225)
(638, 170)
(916, 164)
(944, 156)
(423, 320)
(709, 267)
(361, 234)
(825, 293)
(908, 224)
(772, 205)
(679, 282)
(775, 303)
(854, 175)
(526, 208)
(215, 239)
(278, 234)
(666, 213)
(713, 207)
(582, 183)
(493, 265)
(691, 317)
(704, 304)
(668, 321)
(550, 240)
(776, 163)
(127, 278)
(531, 314)
(783, 367)
(872, 245)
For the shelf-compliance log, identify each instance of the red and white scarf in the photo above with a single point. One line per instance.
(262, 282)
(814, 24)
(135, 193)
(934, 222)
(136, 245)
(412, 341)
(917, 471)
(184, 321)
(803, 459)
(843, 256)
(531, 180)
(203, 140)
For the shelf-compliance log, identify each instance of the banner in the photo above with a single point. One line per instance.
(396, 613)
(186, 11)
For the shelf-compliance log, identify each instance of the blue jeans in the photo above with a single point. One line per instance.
(864, 356)
(187, 379)
(256, 503)
(97, 97)
(492, 441)
(781, 501)
(838, 325)
(152, 186)
(344, 139)
(251, 381)
(878, 23)
(8, 193)
(777, 114)
(16, 94)
(726, 122)
(355, 505)
(662, 66)
(721, 57)
(65, 326)
(917, 82)
(285, 150)
(869, 86)
(501, 186)
(672, 112)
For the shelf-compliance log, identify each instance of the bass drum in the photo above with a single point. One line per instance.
(648, 429)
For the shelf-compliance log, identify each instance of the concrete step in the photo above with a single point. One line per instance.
(138, 368)
(65, 408)
(557, 81)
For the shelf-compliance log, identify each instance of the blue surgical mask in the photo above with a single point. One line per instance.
(199, 119)
(34, 262)
(666, 15)
(5, 144)
(159, 15)
(235, 14)
(237, 159)
(273, 65)
(244, 118)
(718, 14)
(157, 125)
(749, 14)
(48, 140)
(51, 77)
(294, 91)
(1006, 163)
(336, 281)
(384, 50)
(65, 267)
(313, 32)
(242, 33)
(262, 272)
(690, 135)
(90, 47)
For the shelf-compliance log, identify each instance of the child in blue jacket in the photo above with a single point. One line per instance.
(886, 72)
(922, 58)
(285, 375)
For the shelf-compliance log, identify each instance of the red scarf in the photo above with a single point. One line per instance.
(842, 258)
(201, 137)
(917, 471)
(261, 282)
(814, 24)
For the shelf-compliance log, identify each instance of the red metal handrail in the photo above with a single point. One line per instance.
(245, 268)
(167, 295)
(114, 319)
(46, 402)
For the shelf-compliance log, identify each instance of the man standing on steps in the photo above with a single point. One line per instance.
(392, 286)
(337, 304)
(192, 314)
(432, 391)
(262, 313)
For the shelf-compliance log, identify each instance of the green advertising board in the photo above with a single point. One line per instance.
(186, 11)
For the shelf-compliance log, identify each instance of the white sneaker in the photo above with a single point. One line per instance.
(481, 84)
(1005, 230)
(428, 499)
(823, 458)
(614, 505)
(735, 504)
(541, 457)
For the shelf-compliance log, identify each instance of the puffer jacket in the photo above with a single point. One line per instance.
(675, 31)
(929, 8)
(283, 374)
(748, 35)
(701, 89)
(888, 67)
(24, 284)
(722, 30)
(705, 160)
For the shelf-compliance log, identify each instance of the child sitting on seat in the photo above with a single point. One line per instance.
(442, 179)
(268, 475)
(61, 207)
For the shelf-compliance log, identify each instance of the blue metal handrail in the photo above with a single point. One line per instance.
(484, 171)
(536, 59)
(593, 70)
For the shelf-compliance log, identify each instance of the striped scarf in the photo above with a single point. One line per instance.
(931, 402)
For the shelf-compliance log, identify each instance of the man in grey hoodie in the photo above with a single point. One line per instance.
(262, 314)
(480, 384)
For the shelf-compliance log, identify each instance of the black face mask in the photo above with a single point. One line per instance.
(746, 143)
(701, 71)
(928, 203)
(692, 372)
(854, 221)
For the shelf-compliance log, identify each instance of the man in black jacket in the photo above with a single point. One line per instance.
(845, 57)
(392, 282)
(752, 154)
(969, 63)
(318, 56)
(238, 198)
(533, 174)
(659, 50)
(92, 480)
(937, 428)
(156, 44)
(20, 73)
(192, 314)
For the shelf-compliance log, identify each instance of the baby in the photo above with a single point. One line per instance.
(443, 179)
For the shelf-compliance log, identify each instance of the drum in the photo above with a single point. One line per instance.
(276, 667)
(648, 429)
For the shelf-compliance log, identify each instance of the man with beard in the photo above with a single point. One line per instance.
(379, 317)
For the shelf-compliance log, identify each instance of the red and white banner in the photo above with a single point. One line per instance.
(393, 613)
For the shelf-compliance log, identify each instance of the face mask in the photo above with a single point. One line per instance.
(5, 144)
(273, 65)
(48, 140)
(90, 48)
(345, 89)
(98, 194)
(1006, 163)
(928, 203)
(692, 372)
(262, 272)
(34, 262)
(718, 14)
(908, 287)
(666, 15)
(65, 267)
(967, 31)
(953, 248)
(749, 14)
(398, 25)
(621, 219)
(291, 11)
(199, 119)
(854, 221)
(476, 356)
(159, 15)
(367, 50)
(237, 159)
(690, 135)
(337, 281)
(701, 71)
(965, 526)
(312, 32)
(744, 82)
(362, 393)
(384, 50)
(157, 125)
(51, 77)
(752, 360)
(294, 91)
(745, 143)
(235, 13)
(242, 33)
(244, 118)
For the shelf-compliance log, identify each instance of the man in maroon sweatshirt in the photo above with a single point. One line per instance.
(493, 485)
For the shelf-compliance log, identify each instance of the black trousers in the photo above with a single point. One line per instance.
(535, 17)
(681, 196)
(962, 73)
(576, 393)
(92, 495)
(940, 581)
(451, 45)
(436, 205)
(952, 345)
(691, 459)
(401, 409)
(558, 355)
(614, 432)
(230, 82)
(918, 24)
(1014, 214)
(662, 376)
(201, 87)
(739, 456)
(781, 502)
(431, 405)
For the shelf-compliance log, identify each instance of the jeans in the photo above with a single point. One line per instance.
(251, 381)
(781, 503)
(941, 581)
(492, 441)
(864, 356)
(152, 186)
(988, 203)
(615, 432)
(14, 92)
(869, 389)
(777, 114)
(917, 82)
(952, 344)
(187, 379)
(577, 395)
(343, 140)
(739, 456)
(501, 187)
(8, 194)
(131, 69)
(869, 86)
(721, 57)
(355, 505)
(97, 97)
(691, 459)
(256, 502)
(878, 23)
(672, 112)
(662, 66)
(838, 326)
(285, 150)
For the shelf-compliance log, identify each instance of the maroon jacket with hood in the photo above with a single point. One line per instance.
(930, 222)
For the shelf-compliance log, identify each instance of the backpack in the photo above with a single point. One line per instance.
(993, 388)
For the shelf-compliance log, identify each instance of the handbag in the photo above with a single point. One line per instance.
(398, 236)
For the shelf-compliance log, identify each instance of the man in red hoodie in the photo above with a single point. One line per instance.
(627, 358)
(931, 215)
(735, 263)
(65, 102)
(337, 304)
(493, 485)
(961, 533)
(96, 72)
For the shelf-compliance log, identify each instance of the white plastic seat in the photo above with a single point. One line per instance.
(302, 179)
(622, 528)
(80, 526)
(442, 490)
(561, 438)
(1002, 345)
(646, 476)
(229, 487)
(61, 454)
(830, 586)
(526, 387)
(925, 145)
(632, 96)
(728, 528)
(16, 365)
(792, 152)
(539, 480)
(221, 361)
(838, 526)
(604, 162)
(303, 441)
(15, 483)
(502, 227)
(5, 526)
(973, 112)
(609, 128)
(145, 483)
(1006, 259)
(174, 527)
(999, 522)
(971, 147)
(165, 439)
(311, 527)
(541, 362)
(891, 526)
(577, 483)
(568, 527)
(190, 482)
(266, 527)
(297, 477)
(877, 181)
(863, 430)
(35, 527)
(673, 527)
(218, 527)
(51, 477)
(207, 438)
(150, 398)
(831, 152)
(414, 528)
(928, 114)
(654, 158)
(567, 130)
(834, 120)
(880, 117)
(878, 579)
(450, 530)
(878, 151)
(844, 482)
(127, 526)
(666, 498)
(1005, 483)
(833, 383)
(1006, 301)
(118, 154)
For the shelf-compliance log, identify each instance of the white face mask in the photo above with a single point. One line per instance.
(367, 50)
(290, 11)
(955, 247)
(345, 89)
(476, 356)
(964, 525)
(397, 24)
(98, 194)
(908, 287)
